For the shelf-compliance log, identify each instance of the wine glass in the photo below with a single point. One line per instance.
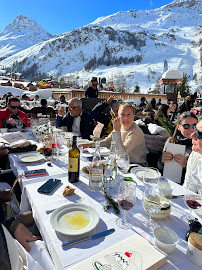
(19, 123)
(192, 199)
(151, 204)
(151, 177)
(123, 162)
(126, 199)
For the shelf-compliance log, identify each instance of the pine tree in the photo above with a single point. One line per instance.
(184, 88)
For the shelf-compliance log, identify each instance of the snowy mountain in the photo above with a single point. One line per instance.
(129, 45)
(22, 33)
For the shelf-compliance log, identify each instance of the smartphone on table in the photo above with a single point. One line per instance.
(35, 172)
(49, 186)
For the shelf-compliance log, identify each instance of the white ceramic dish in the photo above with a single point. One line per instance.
(165, 238)
(103, 150)
(139, 172)
(31, 157)
(74, 219)
(166, 188)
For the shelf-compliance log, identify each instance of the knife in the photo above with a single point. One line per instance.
(93, 236)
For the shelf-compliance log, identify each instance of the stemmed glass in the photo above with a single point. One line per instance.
(151, 204)
(151, 177)
(126, 199)
(192, 199)
(123, 162)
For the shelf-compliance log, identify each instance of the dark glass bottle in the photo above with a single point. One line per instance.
(74, 162)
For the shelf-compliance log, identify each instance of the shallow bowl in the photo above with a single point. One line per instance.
(166, 188)
(165, 238)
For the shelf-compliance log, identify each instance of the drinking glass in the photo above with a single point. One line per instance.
(126, 199)
(151, 177)
(192, 199)
(151, 204)
(19, 123)
(123, 162)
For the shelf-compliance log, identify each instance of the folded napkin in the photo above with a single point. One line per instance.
(20, 143)
(21, 146)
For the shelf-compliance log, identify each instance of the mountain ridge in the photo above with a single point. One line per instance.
(105, 47)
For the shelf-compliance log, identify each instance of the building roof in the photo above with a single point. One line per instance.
(173, 74)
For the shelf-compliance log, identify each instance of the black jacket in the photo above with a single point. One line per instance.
(91, 93)
(86, 126)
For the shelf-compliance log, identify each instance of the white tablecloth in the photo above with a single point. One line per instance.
(64, 259)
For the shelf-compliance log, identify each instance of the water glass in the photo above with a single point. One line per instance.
(151, 177)
(123, 162)
(151, 204)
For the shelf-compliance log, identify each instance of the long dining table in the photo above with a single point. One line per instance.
(42, 206)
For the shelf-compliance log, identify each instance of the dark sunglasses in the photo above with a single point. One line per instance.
(187, 126)
(15, 107)
(94, 84)
(194, 225)
(198, 133)
(72, 108)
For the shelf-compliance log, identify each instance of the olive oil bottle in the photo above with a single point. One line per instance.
(74, 162)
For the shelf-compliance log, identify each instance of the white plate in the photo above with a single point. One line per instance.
(103, 150)
(31, 157)
(74, 219)
(139, 172)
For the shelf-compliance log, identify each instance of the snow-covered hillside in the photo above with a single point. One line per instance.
(127, 46)
(22, 33)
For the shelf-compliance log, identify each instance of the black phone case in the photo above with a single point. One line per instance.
(49, 186)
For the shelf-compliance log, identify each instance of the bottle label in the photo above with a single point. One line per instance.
(73, 164)
(55, 145)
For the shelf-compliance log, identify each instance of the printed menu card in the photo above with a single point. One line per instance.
(133, 253)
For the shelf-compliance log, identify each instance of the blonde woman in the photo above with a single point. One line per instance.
(127, 135)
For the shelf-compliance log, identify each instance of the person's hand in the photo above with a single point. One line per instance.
(86, 145)
(6, 195)
(61, 111)
(180, 159)
(116, 124)
(167, 156)
(23, 236)
(110, 99)
(11, 121)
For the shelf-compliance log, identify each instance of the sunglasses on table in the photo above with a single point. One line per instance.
(198, 133)
(15, 107)
(187, 126)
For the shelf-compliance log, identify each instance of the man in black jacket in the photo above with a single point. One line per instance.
(76, 120)
(92, 91)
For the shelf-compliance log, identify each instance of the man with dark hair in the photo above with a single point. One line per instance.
(44, 109)
(101, 113)
(143, 102)
(11, 113)
(92, 91)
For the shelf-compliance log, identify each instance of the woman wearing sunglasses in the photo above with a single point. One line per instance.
(182, 135)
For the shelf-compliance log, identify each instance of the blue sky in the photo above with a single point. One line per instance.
(61, 16)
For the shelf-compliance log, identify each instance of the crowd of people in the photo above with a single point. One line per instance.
(120, 126)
